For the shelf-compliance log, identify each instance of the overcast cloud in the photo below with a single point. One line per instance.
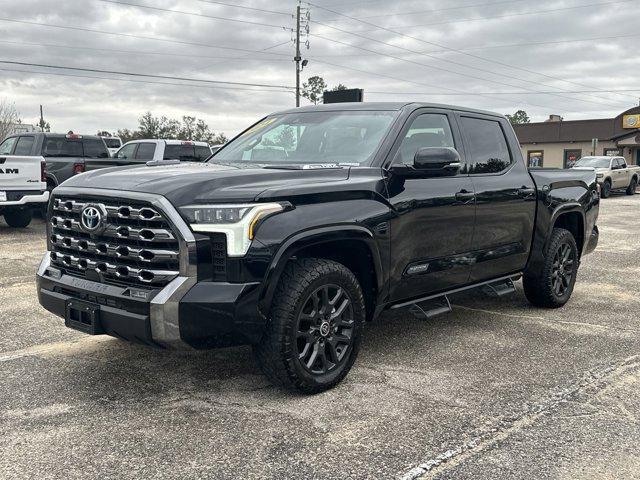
(86, 105)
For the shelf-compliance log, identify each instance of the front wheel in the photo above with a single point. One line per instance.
(605, 191)
(18, 218)
(313, 336)
(631, 190)
(553, 287)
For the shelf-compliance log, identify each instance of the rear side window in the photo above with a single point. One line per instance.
(184, 153)
(6, 147)
(24, 146)
(488, 148)
(62, 147)
(112, 142)
(146, 151)
(202, 153)
(94, 148)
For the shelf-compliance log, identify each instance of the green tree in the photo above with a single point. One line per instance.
(188, 128)
(519, 117)
(313, 89)
(339, 87)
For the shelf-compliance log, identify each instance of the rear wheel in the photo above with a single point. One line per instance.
(314, 332)
(553, 287)
(18, 218)
(606, 189)
(631, 190)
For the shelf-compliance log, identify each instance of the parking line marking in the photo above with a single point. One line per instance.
(601, 378)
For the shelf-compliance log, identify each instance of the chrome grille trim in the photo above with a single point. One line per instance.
(138, 246)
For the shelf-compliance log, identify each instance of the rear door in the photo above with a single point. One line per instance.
(619, 173)
(505, 197)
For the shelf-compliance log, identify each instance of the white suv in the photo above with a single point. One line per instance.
(146, 150)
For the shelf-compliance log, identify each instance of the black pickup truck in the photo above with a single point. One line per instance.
(308, 225)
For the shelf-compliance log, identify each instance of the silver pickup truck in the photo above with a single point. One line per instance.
(612, 173)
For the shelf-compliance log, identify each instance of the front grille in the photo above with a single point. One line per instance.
(137, 246)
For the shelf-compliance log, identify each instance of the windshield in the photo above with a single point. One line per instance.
(346, 137)
(595, 162)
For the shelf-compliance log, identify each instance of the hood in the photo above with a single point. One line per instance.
(187, 182)
(597, 169)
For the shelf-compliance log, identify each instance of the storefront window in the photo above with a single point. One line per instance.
(571, 157)
(612, 152)
(535, 158)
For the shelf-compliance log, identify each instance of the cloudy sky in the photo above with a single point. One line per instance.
(489, 54)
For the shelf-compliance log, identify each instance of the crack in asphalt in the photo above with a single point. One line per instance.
(599, 379)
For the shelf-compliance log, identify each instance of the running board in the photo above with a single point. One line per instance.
(430, 308)
(499, 288)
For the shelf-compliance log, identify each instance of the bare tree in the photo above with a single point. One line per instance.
(8, 117)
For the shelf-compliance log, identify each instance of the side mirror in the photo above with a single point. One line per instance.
(437, 161)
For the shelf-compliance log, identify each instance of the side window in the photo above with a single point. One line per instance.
(6, 147)
(94, 148)
(202, 153)
(126, 152)
(621, 162)
(427, 130)
(24, 146)
(145, 151)
(488, 148)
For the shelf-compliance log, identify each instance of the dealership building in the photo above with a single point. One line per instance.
(560, 143)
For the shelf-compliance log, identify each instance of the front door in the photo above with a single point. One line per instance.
(505, 197)
(434, 217)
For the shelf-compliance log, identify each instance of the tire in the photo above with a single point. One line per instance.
(605, 192)
(306, 347)
(18, 218)
(631, 190)
(554, 286)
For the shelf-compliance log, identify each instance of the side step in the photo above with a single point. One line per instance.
(430, 308)
(499, 288)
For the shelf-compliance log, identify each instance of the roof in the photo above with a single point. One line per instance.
(379, 106)
(168, 141)
(567, 131)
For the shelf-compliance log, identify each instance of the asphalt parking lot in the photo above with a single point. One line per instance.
(496, 389)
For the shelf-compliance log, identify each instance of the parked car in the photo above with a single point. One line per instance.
(65, 155)
(23, 184)
(368, 207)
(113, 144)
(142, 151)
(612, 173)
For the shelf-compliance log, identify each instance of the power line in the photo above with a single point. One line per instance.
(141, 37)
(504, 45)
(144, 81)
(382, 75)
(135, 74)
(140, 52)
(447, 48)
(508, 15)
(506, 93)
(213, 17)
(435, 10)
(288, 14)
(466, 75)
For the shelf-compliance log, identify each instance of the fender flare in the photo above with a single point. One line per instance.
(571, 207)
(307, 238)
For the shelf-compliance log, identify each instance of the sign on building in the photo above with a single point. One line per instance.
(631, 121)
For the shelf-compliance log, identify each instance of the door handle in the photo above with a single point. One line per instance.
(465, 196)
(526, 192)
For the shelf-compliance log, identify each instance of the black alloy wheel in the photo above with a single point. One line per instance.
(605, 191)
(563, 269)
(325, 329)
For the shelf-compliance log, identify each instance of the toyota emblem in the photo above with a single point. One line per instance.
(91, 219)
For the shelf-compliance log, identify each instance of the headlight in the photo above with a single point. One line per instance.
(599, 175)
(237, 222)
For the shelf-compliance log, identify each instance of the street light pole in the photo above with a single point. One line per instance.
(298, 57)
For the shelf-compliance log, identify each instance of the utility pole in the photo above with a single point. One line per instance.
(303, 15)
(41, 120)
(298, 57)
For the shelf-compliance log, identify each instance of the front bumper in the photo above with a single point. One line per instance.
(27, 199)
(184, 314)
